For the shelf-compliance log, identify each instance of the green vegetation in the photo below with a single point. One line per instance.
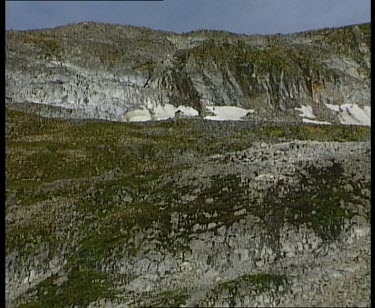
(315, 202)
(321, 206)
(26, 239)
(45, 150)
(81, 288)
(245, 59)
(167, 299)
(111, 56)
(346, 41)
(318, 133)
(249, 65)
(240, 57)
(366, 30)
(95, 166)
(50, 45)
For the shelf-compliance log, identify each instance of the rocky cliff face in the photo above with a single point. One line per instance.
(106, 71)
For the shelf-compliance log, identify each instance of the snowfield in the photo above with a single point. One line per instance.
(139, 115)
(307, 112)
(158, 112)
(349, 114)
(227, 113)
(352, 114)
(316, 122)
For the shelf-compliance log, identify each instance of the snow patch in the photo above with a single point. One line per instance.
(227, 113)
(352, 114)
(307, 112)
(164, 112)
(333, 107)
(367, 110)
(316, 122)
(168, 111)
(140, 115)
(188, 111)
(158, 112)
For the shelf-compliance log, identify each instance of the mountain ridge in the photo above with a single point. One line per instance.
(186, 32)
(127, 68)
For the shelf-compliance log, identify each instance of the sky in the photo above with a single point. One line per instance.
(238, 16)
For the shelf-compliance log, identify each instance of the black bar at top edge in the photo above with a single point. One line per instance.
(86, 0)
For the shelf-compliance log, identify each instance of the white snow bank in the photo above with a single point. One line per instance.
(352, 114)
(158, 112)
(307, 112)
(227, 113)
(164, 112)
(188, 111)
(168, 111)
(140, 115)
(333, 107)
(316, 122)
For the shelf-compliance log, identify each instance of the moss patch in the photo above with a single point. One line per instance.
(167, 299)
(315, 202)
(81, 288)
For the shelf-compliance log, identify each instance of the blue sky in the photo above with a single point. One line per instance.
(239, 16)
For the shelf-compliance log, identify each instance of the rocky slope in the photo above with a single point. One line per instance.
(126, 73)
(266, 211)
(186, 212)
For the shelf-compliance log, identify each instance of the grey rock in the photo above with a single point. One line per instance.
(348, 188)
